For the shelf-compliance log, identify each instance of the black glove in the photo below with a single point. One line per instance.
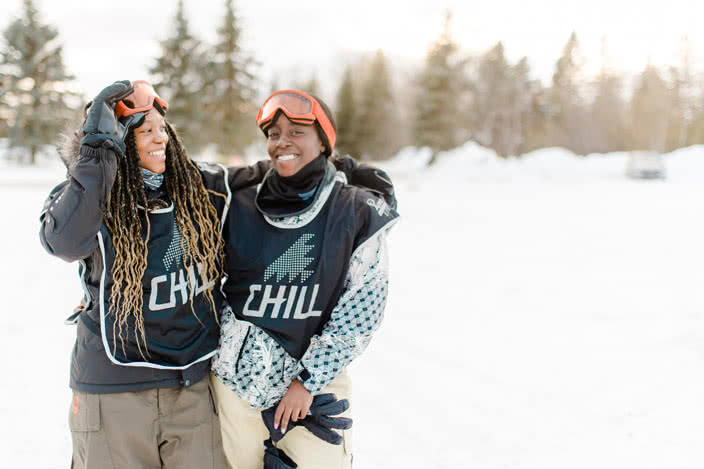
(368, 177)
(319, 421)
(101, 127)
(275, 458)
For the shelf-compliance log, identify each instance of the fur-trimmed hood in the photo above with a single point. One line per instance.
(69, 146)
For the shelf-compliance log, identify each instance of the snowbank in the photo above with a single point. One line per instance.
(686, 164)
(468, 163)
(473, 163)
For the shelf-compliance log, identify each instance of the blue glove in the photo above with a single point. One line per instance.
(319, 421)
(101, 127)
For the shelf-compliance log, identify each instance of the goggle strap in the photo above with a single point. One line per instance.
(297, 120)
(315, 109)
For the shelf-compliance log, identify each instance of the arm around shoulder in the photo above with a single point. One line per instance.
(240, 177)
(234, 177)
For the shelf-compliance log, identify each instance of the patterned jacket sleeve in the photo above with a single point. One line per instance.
(355, 318)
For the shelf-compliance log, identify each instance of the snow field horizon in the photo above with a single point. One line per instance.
(544, 312)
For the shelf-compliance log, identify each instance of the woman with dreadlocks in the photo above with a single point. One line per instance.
(144, 221)
(307, 288)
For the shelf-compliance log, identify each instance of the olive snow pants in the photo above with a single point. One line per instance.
(157, 428)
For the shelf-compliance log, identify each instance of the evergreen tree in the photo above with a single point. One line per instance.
(683, 99)
(377, 117)
(487, 90)
(520, 119)
(567, 109)
(311, 86)
(535, 134)
(34, 100)
(501, 105)
(608, 111)
(178, 78)
(695, 130)
(490, 113)
(231, 91)
(695, 127)
(677, 110)
(439, 86)
(649, 111)
(4, 111)
(607, 115)
(346, 117)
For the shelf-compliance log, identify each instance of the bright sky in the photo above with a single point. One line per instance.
(292, 40)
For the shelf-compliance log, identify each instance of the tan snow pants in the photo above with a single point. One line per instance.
(158, 428)
(244, 433)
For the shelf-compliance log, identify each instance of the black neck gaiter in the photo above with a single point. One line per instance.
(284, 196)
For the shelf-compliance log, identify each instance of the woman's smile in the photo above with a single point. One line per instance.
(291, 146)
(158, 154)
(288, 157)
(151, 140)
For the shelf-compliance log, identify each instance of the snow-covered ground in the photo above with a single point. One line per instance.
(545, 312)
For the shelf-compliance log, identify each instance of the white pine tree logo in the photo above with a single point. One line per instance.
(174, 254)
(292, 262)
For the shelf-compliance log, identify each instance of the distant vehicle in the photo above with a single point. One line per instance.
(645, 165)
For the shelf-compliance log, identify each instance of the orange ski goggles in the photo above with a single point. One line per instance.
(141, 99)
(299, 107)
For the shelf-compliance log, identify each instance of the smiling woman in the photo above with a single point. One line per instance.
(145, 222)
(304, 303)
(151, 139)
(291, 146)
(298, 127)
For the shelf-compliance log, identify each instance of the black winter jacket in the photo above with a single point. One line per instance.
(180, 343)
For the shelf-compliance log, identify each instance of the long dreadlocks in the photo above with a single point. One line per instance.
(196, 219)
